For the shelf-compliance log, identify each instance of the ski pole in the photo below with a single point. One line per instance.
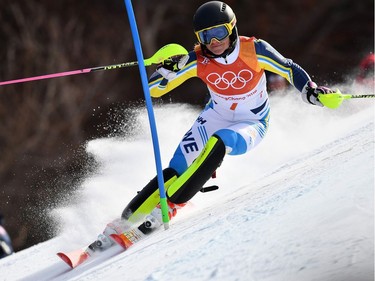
(334, 100)
(151, 117)
(361, 96)
(161, 55)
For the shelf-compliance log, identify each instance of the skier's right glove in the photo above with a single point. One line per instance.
(169, 68)
(311, 91)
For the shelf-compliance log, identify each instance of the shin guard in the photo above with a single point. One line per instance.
(147, 199)
(198, 173)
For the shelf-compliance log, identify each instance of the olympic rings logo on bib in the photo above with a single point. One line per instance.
(230, 79)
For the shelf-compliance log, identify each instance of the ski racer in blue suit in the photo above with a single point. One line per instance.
(234, 121)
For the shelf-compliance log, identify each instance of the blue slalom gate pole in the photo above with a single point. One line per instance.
(150, 111)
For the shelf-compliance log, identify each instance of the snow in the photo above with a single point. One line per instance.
(298, 207)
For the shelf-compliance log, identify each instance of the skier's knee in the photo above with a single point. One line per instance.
(233, 141)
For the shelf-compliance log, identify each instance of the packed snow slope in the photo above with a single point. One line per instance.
(298, 207)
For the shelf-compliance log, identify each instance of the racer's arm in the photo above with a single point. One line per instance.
(271, 60)
(159, 85)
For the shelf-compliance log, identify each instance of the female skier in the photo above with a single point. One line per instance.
(233, 122)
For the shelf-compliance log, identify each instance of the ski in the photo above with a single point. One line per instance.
(74, 258)
(78, 257)
(129, 238)
(125, 239)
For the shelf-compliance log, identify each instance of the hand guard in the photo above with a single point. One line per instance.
(311, 91)
(169, 68)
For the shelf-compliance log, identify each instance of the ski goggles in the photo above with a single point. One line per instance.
(218, 32)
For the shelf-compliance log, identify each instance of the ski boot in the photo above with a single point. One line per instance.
(104, 241)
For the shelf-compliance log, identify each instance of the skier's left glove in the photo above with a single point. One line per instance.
(169, 68)
(311, 91)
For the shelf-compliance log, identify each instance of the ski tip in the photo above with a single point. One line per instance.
(75, 258)
(66, 259)
(121, 240)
